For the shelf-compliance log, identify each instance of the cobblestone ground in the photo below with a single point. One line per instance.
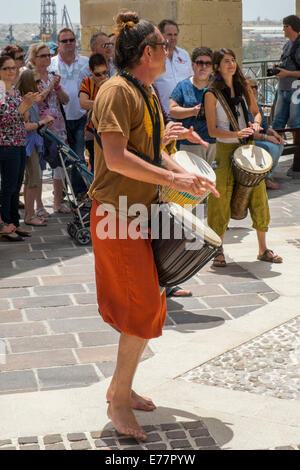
(54, 337)
(268, 365)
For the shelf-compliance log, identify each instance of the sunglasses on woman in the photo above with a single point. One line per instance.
(9, 69)
(21, 57)
(203, 63)
(44, 56)
(101, 74)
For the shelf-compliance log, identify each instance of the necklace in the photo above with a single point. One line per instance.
(124, 73)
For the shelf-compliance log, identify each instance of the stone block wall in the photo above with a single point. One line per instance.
(212, 23)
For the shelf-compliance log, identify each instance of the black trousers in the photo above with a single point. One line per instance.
(12, 167)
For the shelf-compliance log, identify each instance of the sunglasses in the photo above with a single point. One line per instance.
(44, 56)
(65, 41)
(106, 45)
(21, 57)
(9, 69)
(101, 74)
(254, 87)
(203, 63)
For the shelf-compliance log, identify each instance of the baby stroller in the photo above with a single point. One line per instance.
(79, 228)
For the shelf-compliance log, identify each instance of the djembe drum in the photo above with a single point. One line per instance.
(193, 164)
(250, 165)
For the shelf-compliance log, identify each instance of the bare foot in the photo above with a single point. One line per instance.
(137, 401)
(124, 422)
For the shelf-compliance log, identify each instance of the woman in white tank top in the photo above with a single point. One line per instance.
(230, 82)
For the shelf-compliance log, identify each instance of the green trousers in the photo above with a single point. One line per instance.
(218, 210)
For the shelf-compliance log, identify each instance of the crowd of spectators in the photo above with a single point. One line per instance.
(57, 87)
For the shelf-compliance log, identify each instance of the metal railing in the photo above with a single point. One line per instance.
(267, 86)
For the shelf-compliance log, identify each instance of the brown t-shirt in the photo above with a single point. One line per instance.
(121, 108)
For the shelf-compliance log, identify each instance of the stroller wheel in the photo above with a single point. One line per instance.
(71, 229)
(83, 236)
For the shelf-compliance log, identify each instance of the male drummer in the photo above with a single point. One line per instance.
(129, 296)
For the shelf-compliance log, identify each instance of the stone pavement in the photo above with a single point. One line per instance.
(60, 354)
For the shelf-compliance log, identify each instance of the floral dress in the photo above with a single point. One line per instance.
(12, 125)
(51, 105)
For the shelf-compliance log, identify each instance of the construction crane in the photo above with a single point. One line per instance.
(48, 25)
(10, 36)
(66, 20)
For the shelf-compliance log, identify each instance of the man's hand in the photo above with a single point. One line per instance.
(173, 131)
(194, 138)
(193, 184)
(283, 73)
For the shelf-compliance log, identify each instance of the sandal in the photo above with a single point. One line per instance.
(22, 233)
(272, 184)
(42, 213)
(12, 238)
(36, 222)
(270, 259)
(6, 229)
(177, 291)
(219, 263)
(64, 209)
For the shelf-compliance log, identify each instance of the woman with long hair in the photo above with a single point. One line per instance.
(230, 82)
(28, 82)
(53, 97)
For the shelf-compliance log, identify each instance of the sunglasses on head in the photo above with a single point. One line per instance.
(44, 56)
(203, 63)
(21, 57)
(101, 74)
(65, 41)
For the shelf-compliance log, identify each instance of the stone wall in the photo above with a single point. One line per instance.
(213, 23)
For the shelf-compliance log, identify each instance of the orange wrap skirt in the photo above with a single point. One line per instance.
(128, 291)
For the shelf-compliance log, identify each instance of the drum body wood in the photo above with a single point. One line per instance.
(250, 165)
(193, 164)
(189, 246)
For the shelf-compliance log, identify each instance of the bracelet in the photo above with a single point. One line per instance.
(173, 177)
(263, 136)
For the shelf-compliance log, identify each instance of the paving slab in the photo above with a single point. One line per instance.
(62, 353)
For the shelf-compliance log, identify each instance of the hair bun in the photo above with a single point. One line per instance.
(126, 19)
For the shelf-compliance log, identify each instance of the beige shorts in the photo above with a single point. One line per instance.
(33, 173)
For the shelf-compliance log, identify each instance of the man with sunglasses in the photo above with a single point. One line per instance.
(186, 104)
(72, 68)
(101, 44)
(178, 63)
(287, 108)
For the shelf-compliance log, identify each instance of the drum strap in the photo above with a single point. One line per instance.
(219, 95)
(155, 118)
(156, 125)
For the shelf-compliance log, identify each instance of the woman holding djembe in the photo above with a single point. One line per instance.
(230, 86)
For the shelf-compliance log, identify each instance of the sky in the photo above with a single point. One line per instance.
(28, 11)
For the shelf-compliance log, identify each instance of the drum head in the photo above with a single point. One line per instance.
(194, 164)
(253, 159)
(194, 224)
